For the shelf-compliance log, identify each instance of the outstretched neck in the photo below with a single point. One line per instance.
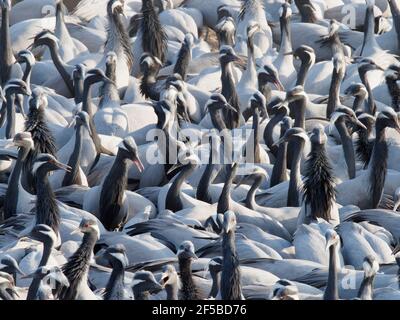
(331, 291)
(61, 67)
(47, 211)
(173, 201)
(251, 195)
(293, 199)
(116, 281)
(72, 177)
(378, 165)
(369, 33)
(348, 148)
(10, 125)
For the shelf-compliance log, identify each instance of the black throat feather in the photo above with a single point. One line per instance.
(378, 167)
(112, 194)
(319, 183)
(154, 38)
(364, 148)
(47, 211)
(77, 266)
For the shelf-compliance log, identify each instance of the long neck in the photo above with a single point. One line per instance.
(279, 170)
(112, 193)
(293, 199)
(78, 90)
(61, 67)
(87, 106)
(230, 277)
(334, 98)
(11, 199)
(6, 55)
(331, 291)
(182, 63)
(230, 93)
(188, 290)
(109, 91)
(27, 74)
(286, 41)
(72, 177)
(215, 287)
(348, 148)
(47, 211)
(10, 125)
(217, 119)
(366, 288)
(35, 284)
(251, 72)
(225, 197)
(369, 33)
(61, 29)
(77, 267)
(172, 291)
(371, 102)
(253, 144)
(211, 171)
(394, 92)
(251, 194)
(304, 68)
(298, 109)
(268, 132)
(115, 283)
(173, 201)
(378, 165)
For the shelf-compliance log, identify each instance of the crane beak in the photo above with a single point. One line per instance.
(361, 125)
(192, 255)
(229, 107)
(108, 80)
(174, 167)
(138, 163)
(277, 143)
(279, 85)
(25, 276)
(28, 92)
(62, 166)
(76, 231)
(396, 249)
